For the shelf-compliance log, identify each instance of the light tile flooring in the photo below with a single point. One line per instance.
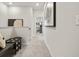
(35, 48)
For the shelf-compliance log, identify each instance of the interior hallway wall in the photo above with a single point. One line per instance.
(24, 13)
(21, 13)
(4, 29)
(3, 15)
(64, 39)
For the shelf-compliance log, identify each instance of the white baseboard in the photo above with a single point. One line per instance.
(48, 48)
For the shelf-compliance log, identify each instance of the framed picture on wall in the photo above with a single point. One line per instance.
(50, 14)
(15, 22)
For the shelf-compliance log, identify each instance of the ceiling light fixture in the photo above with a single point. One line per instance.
(49, 4)
(37, 4)
(10, 3)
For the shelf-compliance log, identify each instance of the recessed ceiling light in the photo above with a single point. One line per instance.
(10, 3)
(49, 4)
(37, 4)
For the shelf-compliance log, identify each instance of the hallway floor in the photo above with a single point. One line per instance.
(36, 48)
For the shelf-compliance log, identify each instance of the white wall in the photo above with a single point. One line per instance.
(25, 33)
(3, 15)
(26, 14)
(21, 13)
(6, 31)
(64, 41)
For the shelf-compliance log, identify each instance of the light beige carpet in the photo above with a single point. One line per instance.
(35, 48)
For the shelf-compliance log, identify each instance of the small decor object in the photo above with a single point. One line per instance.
(15, 22)
(50, 14)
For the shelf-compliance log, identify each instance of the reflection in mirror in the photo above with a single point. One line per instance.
(15, 22)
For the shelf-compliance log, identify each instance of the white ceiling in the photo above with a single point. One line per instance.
(26, 4)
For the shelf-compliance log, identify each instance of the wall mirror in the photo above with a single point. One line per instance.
(50, 14)
(15, 22)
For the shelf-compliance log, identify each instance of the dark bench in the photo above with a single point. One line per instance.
(12, 46)
(7, 51)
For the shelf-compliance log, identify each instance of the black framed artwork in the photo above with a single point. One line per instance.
(50, 14)
(15, 22)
